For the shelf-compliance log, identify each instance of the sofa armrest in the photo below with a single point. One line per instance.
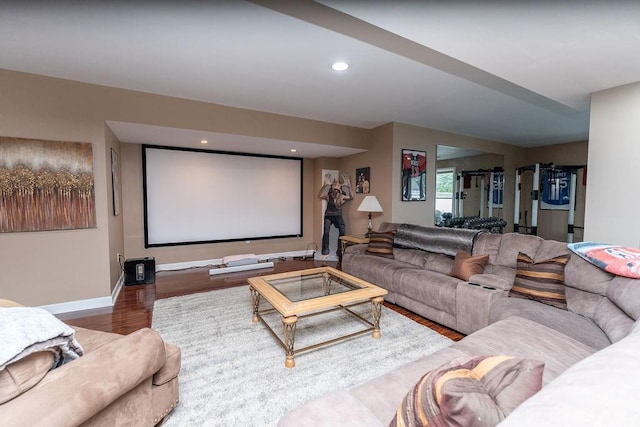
(74, 392)
(359, 249)
(491, 281)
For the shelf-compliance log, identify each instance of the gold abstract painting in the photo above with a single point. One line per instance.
(46, 185)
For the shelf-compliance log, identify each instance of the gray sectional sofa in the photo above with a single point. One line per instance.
(591, 350)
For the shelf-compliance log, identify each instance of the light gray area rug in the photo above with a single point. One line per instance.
(233, 371)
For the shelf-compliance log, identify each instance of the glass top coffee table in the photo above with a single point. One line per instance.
(299, 294)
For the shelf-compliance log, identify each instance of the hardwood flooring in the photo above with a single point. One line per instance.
(134, 307)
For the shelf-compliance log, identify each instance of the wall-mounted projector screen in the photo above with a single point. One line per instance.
(199, 196)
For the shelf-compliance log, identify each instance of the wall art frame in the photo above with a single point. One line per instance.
(414, 175)
(363, 180)
(46, 185)
(115, 180)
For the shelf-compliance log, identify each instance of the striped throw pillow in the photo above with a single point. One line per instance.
(541, 281)
(381, 244)
(480, 391)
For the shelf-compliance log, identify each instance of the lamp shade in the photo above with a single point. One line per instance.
(370, 204)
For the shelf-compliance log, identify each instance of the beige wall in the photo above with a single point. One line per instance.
(64, 266)
(378, 160)
(612, 203)
(413, 137)
(55, 266)
(115, 222)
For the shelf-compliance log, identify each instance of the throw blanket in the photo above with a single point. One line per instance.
(435, 239)
(28, 330)
(618, 260)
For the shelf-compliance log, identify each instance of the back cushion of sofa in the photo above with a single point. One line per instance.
(550, 249)
(410, 256)
(487, 243)
(580, 274)
(512, 243)
(625, 293)
(438, 262)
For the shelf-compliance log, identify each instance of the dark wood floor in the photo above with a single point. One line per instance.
(134, 308)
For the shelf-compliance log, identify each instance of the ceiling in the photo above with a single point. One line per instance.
(519, 72)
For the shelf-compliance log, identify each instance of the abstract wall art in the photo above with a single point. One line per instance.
(46, 185)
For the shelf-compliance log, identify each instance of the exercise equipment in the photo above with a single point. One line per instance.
(463, 180)
(537, 170)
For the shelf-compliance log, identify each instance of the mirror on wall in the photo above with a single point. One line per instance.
(468, 188)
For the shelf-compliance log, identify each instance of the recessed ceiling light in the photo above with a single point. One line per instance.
(293, 150)
(204, 141)
(340, 66)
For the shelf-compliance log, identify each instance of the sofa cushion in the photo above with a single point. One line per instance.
(570, 324)
(511, 244)
(381, 244)
(333, 409)
(465, 265)
(20, 376)
(478, 391)
(542, 281)
(600, 390)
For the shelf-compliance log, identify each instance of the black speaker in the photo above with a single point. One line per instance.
(139, 271)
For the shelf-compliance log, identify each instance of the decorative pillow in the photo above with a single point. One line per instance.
(381, 244)
(541, 281)
(20, 376)
(465, 265)
(618, 260)
(480, 391)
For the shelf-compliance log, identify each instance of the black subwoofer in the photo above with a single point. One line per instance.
(138, 271)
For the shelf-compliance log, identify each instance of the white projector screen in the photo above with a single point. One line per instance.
(199, 196)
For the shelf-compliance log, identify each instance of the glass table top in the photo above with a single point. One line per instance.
(306, 286)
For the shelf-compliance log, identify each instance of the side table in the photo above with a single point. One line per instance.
(350, 239)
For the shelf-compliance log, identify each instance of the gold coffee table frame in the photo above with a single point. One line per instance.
(360, 292)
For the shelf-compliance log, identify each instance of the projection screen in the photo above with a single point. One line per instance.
(199, 196)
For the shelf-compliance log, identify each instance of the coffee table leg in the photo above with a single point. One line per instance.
(255, 298)
(289, 329)
(376, 310)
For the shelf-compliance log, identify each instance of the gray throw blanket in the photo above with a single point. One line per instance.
(435, 239)
(28, 330)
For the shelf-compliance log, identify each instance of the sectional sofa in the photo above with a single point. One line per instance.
(589, 347)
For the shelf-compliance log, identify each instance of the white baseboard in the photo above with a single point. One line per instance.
(109, 301)
(79, 305)
(87, 304)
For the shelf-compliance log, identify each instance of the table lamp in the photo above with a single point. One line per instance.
(370, 204)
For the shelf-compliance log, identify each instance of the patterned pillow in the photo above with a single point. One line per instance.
(465, 265)
(480, 391)
(541, 281)
(381, 244)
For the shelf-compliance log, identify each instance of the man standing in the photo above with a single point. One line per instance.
(336, 193)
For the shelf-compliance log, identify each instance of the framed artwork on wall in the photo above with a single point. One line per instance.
(115, 173)
(414, 175)
(46, 185)
(363, 180)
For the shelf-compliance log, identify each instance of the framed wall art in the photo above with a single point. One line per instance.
(363, 181)
(115, 174)
(414, 175)
(46, 185)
